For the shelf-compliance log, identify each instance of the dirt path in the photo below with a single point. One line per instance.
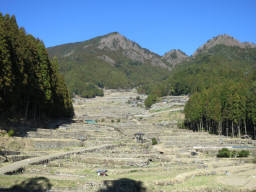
(20, 165)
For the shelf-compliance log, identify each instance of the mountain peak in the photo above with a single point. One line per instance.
(113, 33)
(223, 39)
(115, 41)
(174, 56)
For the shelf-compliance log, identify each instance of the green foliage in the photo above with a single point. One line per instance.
(112, 120)
(151, 99)
(118, 120)
(221, 63)
(222, 88)
(154, 141)
(30, 85)
(11, 133)
(82, 63)
(243, 153)
(224, 153)
(230, 104)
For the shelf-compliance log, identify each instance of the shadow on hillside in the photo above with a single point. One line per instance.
(37, 184)
(21, 128)
(123, 185)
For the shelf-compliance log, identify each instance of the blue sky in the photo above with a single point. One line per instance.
(159, 25)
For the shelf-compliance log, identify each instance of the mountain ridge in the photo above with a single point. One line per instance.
(114, 61)
(110, 61)
(223, 39)
(114, 42)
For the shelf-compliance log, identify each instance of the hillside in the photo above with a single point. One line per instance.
(219, 63)
(175, 57)
(221, 82)
(110, 61)
(222, 58)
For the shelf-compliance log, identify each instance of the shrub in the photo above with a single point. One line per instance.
(112, 121)
(233, 154)
(151, 99)
(223, 153)
(243, 153)
(118, 120)
(154, 141)
(102, 120)
(10, 132)
(138, 98)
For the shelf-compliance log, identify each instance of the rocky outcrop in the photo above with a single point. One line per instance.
(223, 40)
(117, 42)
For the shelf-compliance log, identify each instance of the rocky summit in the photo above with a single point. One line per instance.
(223, 40)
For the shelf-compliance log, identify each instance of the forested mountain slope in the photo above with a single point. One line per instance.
(30, 85)
(224, 89)
(110, 61)
(218, 64)
(222, 83)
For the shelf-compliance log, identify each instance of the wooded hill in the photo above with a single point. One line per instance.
(110, 61)
(221, 82)
(30, 85)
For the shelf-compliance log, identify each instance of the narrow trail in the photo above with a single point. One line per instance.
(20, 165)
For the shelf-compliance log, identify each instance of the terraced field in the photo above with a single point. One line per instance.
(67, 158)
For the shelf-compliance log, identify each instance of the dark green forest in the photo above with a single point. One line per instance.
(30, 85)
(222, 88)
(228, 108)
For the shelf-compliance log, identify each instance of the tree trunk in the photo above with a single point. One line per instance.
(35, 110)
(232, 129)
(219, 128)
(254, 131)
(245, 127)
(26, 111)
(239, 131)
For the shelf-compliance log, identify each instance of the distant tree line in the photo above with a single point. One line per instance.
(30, 85)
